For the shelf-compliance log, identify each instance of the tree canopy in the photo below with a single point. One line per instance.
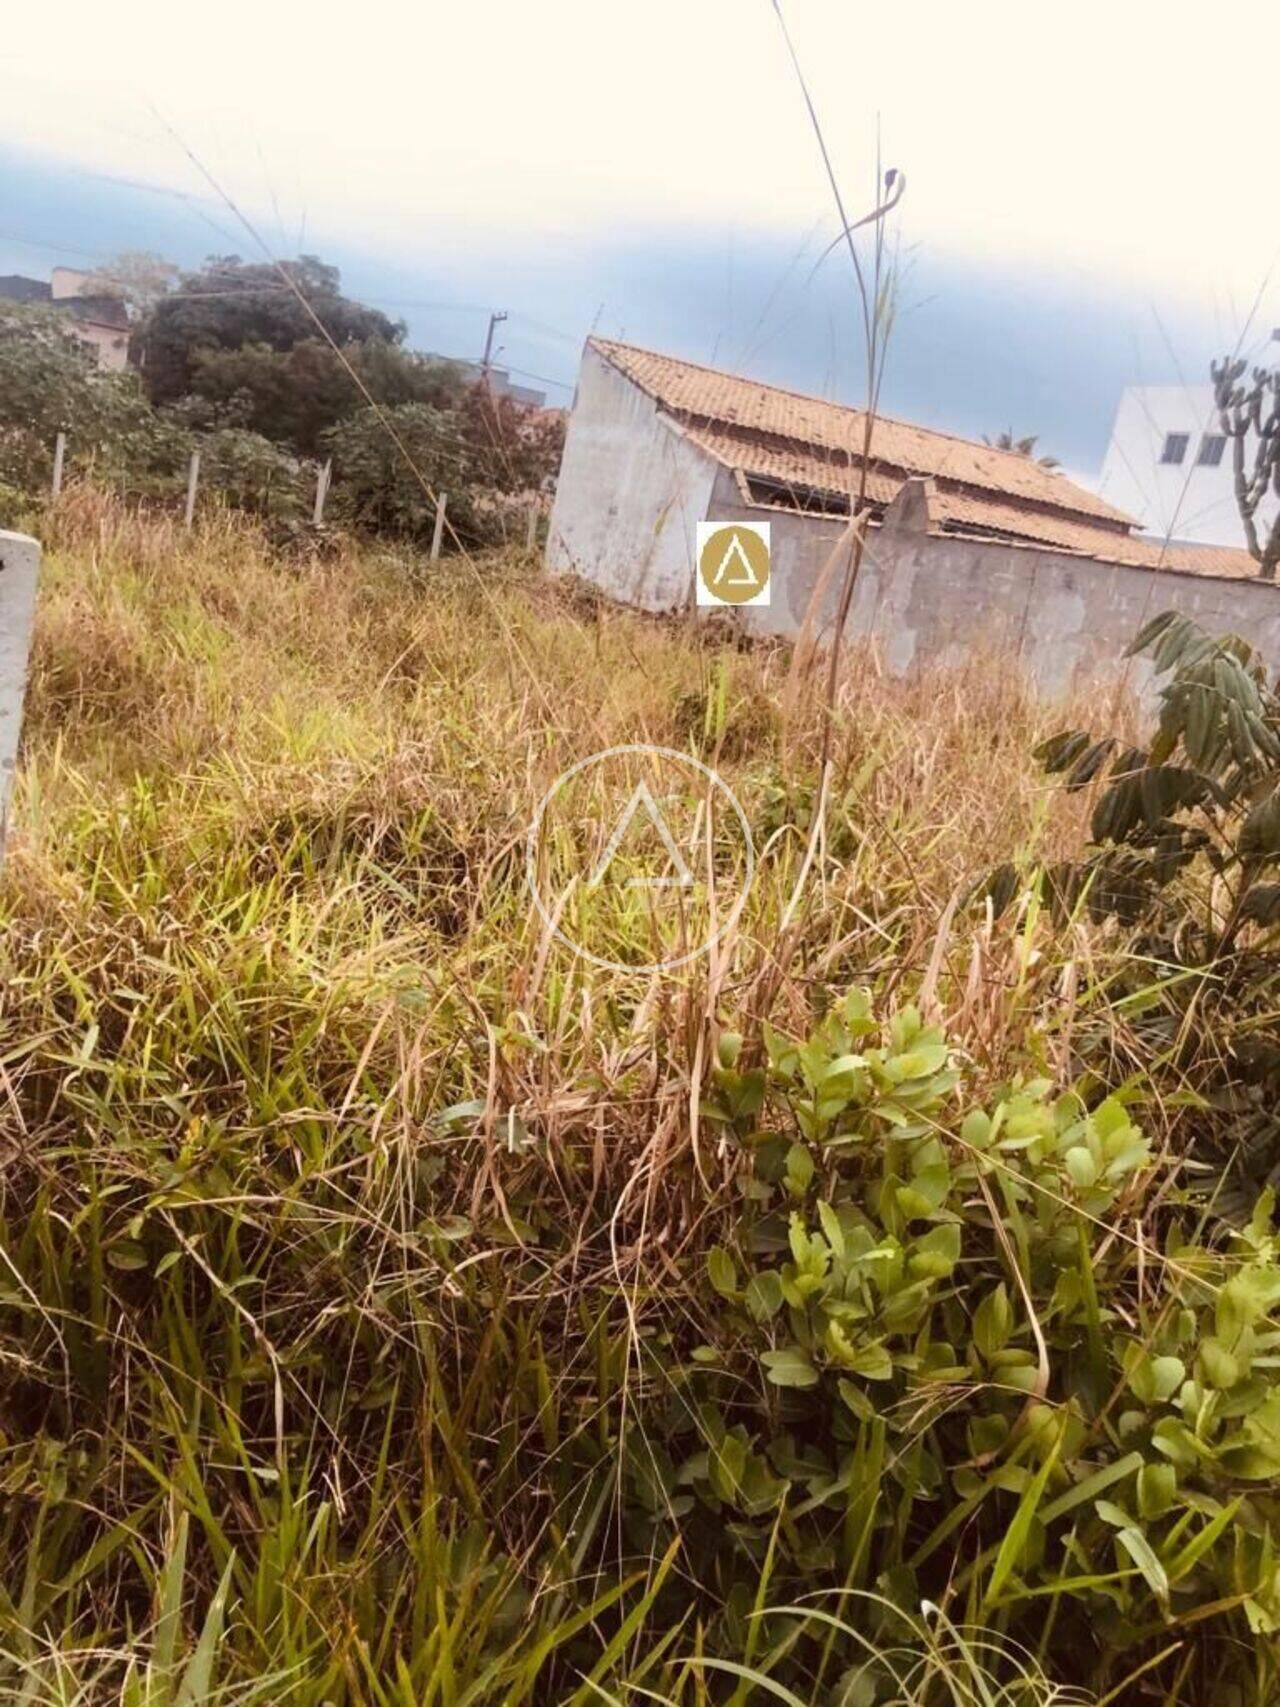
(234, 365)
(230, 303)
(294, 396)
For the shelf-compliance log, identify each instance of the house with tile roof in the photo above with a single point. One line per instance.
(656, 444)
(98, 320)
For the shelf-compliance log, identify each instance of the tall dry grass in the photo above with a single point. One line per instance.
(340, 1202)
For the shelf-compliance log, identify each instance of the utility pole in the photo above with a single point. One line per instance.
(495, 320)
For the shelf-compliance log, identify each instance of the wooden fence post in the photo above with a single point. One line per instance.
(438, 534)
(323, 476)
(531, 539)
(59, 457)
(193, 480)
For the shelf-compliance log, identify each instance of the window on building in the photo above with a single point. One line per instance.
(1212, 446)
(1175, 447)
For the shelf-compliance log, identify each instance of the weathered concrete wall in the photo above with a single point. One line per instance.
(630, 494)
(1067, 619)
(800, 547)
(19, 573)
(922, 596)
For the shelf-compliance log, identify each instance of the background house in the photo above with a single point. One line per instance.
(97, 320)
(501, 384)
(1169, 463)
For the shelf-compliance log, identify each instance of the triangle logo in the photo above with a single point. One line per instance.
(733, 563)
(642, 801)
(735, 569)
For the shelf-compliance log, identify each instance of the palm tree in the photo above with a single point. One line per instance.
(1020, 447)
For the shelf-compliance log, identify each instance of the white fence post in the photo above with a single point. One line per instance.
(59, 457)
(19, 573)
(438, 534)
(323, 477)
(193, 480)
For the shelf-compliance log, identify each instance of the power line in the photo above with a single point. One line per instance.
(542, 378)
(56, 248)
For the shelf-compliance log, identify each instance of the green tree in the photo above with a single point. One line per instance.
(51, 383)
(230, 303)
(490, 455)
(253, 474)
(389, 463)
(293, 396)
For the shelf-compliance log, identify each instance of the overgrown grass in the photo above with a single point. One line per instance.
(349, 1222)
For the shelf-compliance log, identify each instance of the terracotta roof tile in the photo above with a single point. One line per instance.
(705, 397)
(1191, 559)
(949, 511)
(791, 465)
(961, 510)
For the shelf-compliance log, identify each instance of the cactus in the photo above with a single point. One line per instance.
(1244, 409)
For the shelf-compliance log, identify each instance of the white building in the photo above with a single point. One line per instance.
(101, 322)
(1169, 464)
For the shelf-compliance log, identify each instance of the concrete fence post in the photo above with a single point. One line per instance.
(323, 477)
(193, 481)
(19, 574)
(59, 458)
(438, 533)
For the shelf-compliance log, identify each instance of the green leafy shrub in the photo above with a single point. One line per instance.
(958, 1359)
(1185, 849)
(490, 455)
(50, 382)
(254, 474)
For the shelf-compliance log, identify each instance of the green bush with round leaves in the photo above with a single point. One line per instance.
(973, 1349)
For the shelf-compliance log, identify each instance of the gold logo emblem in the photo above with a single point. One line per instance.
(733, 565)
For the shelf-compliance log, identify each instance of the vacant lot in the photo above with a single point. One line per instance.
(397, 1309)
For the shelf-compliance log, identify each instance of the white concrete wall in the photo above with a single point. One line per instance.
(1061, 621)
(1183, 500)
(111, 343)
(19, 573)
(1065, 621)
(631, 492)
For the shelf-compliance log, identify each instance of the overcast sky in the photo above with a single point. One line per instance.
(1090, 195)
